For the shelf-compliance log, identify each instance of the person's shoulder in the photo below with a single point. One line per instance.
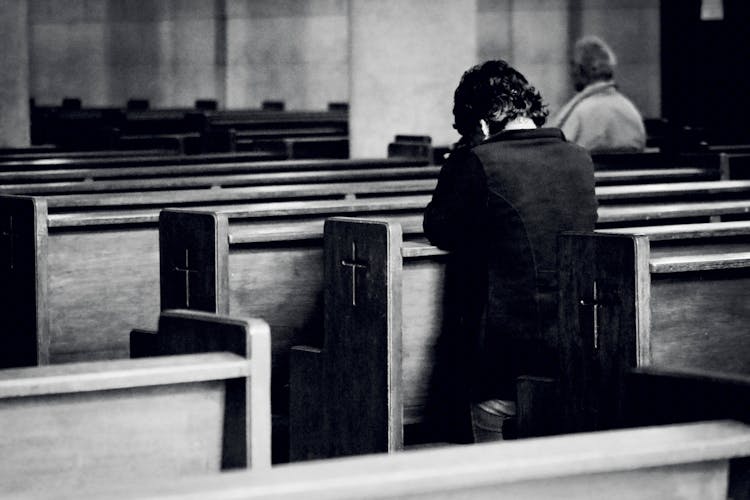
(575, 153)
(460, 154)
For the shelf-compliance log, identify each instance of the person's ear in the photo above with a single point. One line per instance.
(485, 126)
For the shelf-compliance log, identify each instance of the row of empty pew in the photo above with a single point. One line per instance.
(195, 406)
(82, 269)
(295, 134)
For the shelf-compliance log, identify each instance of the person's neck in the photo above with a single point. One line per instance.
(520, 123)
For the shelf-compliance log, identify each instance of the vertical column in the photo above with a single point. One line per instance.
(14, 78)
(405, 60)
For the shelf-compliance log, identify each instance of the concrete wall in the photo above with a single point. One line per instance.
(14, 59)
(242, 52)
(107, 51)
(406, 60)
(175, 51)
(290, 50)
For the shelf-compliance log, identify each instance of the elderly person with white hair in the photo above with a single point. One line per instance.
(599, 117)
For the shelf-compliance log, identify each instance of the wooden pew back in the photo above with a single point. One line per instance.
(628, 302)
(68, 425)
(685, 461)
(610, 324)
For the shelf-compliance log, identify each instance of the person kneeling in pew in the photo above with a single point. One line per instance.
(502, 197)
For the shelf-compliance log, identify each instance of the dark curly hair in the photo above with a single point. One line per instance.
(495, 92)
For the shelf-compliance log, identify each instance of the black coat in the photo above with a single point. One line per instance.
(499, 207)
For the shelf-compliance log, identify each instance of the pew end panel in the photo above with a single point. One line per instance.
(362, 346)
(604, 283)
(247, 430)
(193, 249)
(23, 281)
(360, 362)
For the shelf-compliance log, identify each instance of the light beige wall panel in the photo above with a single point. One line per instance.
(107, 51)
(69, 60)
(540, 47)
(494, 30)
(14, 58)
(278, 49)
(406, 60)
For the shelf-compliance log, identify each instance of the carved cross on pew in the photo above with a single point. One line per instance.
(186, 271)
(7, 234)
(355, 266)
(595, 303)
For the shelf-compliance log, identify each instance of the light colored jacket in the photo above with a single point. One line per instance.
(600, 118)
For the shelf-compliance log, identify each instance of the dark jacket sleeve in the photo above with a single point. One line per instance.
(456, 212)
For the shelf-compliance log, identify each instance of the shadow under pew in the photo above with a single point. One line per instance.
(658, 396)
(77, 424)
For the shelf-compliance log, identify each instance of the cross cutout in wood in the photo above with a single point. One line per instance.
(595, 304)
(186, 270)
(8, 235)
(354, 265)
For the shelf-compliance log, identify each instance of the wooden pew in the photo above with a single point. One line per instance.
(133, 161)
(96, 128)
(208, 265)
(274, 267)
(647, 302)
(299, 147)
(184, 143)
(191, 410)
(68, 177)
(269, 120)
(283, 133)
(253, 194)
(35, 154)
(219, 181)
(86, 256)
(682, 461)
(384, 312)
(655, 159)
(84, 170)
(114, 261)
(211, 165)
(98, 272)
